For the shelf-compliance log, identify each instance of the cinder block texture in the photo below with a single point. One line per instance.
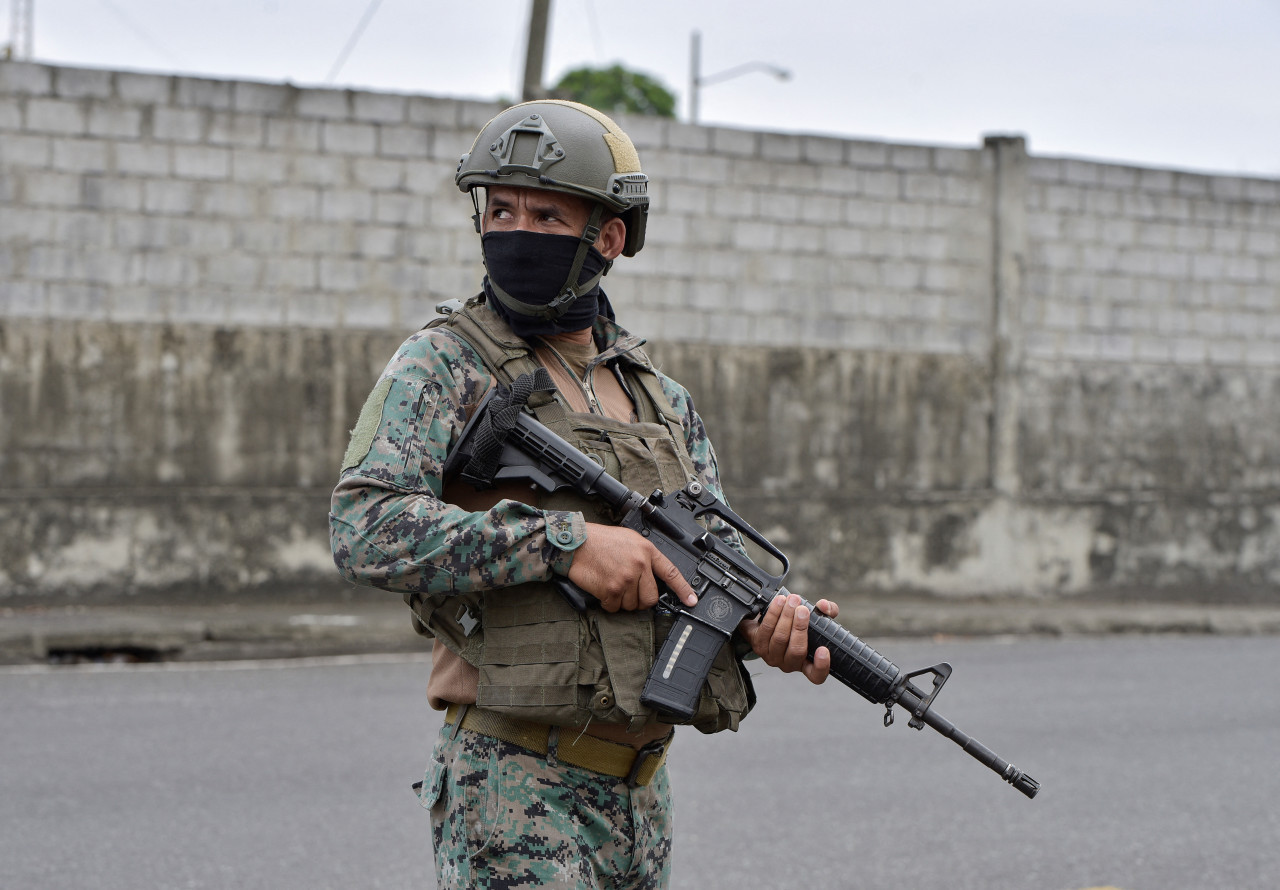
(257, 158)
(1023, 373)
(1119, 258)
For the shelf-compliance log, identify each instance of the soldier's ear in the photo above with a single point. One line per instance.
(613, 237)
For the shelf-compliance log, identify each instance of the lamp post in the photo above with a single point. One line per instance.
(697, 80)
(535, 51)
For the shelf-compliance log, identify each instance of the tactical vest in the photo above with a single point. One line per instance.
(537, 657)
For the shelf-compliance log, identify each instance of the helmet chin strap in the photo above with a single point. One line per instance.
(570, 290)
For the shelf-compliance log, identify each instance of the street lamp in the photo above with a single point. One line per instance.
(697, 80)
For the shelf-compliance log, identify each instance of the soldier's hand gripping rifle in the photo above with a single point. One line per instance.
(503, 443)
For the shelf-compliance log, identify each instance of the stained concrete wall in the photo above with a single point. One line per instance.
(964, 370)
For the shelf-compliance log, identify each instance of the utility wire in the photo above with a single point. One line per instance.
(594, 22)
(353, 39)
(142, 34)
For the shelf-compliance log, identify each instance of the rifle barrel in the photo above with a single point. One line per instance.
(880, 681)
(971, 746)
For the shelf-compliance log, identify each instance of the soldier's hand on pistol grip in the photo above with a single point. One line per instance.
(621, 569)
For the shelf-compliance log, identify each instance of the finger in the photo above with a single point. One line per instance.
(666, 570)
(780, 641)
(610, 601)
(646, 590)
(828, 608)
(769, 620)
(763, 630)
(798, 641)
(818, 669)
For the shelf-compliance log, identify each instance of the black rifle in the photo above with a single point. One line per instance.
(503, 443)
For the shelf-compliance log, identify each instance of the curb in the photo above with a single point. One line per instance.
(119, 634)
(80, 633)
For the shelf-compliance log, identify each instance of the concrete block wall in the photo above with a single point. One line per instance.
(144, 198)
(808, 241)
(952, 369)
(1149, 371)
(1151, 266)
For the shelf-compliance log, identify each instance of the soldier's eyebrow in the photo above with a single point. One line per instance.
(549, 204)
(549, 208)
(500, 201)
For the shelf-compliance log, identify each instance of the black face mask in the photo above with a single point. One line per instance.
(532, 268)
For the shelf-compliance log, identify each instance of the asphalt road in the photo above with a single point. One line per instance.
(1157, 757)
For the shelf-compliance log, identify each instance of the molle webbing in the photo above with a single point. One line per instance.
(536, 657)
(509, 357)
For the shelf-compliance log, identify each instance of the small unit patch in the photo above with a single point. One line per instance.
(367, 425)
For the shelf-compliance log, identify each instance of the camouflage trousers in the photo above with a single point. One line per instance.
(503, 816)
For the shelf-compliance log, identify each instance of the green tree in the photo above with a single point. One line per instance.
(615, 90)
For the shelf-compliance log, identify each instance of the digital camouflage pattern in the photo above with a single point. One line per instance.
(502, 816)
(388, 524)
(505, 817)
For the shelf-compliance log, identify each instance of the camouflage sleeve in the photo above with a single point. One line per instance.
(389, 526)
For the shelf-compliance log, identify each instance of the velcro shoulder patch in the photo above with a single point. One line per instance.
(367, 426)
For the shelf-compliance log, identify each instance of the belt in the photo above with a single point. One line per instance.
(636, 766)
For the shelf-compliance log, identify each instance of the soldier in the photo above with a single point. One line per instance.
(548, 770)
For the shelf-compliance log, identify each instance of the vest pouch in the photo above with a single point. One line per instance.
(452, 619)
(628, 643)
(422, 610)
(640, 455)
(727, 696)
(649, 463)
(529, 663)
(646, 458)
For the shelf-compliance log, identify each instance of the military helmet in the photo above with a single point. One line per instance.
(562, 147)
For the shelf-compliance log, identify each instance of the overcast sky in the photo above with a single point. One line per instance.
(1190, 84)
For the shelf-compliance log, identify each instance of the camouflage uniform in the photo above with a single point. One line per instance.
(505, 817)
(389, 526)
(502, 816)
